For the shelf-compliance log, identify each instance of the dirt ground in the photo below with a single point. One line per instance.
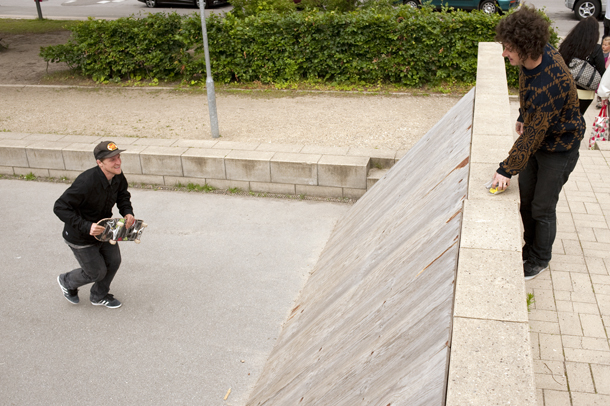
(33, 102)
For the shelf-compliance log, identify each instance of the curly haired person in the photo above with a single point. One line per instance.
(550, 128)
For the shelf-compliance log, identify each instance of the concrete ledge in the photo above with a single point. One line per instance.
(343, 171)
(268, 168)
(486, 348)
(491, 225)
(77, 156)
(46, 154)
(205, 163)
(301, 169)
(12, 153)
(249, 165)
(157, 160)
(7, 170)
(481, 294)
(491, 355)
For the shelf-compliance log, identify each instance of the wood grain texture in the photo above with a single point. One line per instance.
(372, 325)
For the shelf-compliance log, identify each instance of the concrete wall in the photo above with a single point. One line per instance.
(270, 168)
(491, 359)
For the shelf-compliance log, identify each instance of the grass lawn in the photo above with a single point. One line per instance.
(13, 26)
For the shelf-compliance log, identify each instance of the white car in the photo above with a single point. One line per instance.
(587, 8)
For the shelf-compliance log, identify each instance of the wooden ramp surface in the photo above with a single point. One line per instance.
(372, 325)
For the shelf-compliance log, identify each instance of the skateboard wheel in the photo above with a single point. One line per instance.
(137, 241)
(112, 242)
(144, 225)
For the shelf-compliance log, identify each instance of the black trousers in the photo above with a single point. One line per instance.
(539, 187)
(98, 265)
(584, 105)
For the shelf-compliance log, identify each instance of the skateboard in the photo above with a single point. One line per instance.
(115, 230)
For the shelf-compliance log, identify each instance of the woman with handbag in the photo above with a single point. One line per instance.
(580, 51)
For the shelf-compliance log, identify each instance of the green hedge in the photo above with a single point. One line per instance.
(405, 46)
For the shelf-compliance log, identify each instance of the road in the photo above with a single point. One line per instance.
(81, 9)
(204, 297)
(562, 17)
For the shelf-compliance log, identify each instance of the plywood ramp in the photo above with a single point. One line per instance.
(372, 325)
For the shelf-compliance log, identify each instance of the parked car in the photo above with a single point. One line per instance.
(208, 3)
(587, 8)
(488, 6)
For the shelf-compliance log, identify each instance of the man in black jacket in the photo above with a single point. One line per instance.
(89, 199)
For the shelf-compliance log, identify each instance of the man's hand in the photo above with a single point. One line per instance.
(499, 181)
(519, 127)
(129, 220)
(96, 229)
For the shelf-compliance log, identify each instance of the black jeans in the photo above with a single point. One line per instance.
(99, 263)
(606, 27)
(539, 187)
(584, 105)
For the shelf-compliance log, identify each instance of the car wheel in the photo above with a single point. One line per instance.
(412, 3)
(151, 3)
(587, 8)
(488, 7)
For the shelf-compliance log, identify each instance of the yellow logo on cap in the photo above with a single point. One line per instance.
(112, 146)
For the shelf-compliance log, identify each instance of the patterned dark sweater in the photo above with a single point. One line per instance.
(549, 111)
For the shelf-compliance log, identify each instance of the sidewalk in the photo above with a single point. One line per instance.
(570, 319)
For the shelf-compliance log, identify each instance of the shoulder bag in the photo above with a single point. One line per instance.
(585, 75)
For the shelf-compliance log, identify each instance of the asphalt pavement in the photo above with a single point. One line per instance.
(204, 297)
(103, 9)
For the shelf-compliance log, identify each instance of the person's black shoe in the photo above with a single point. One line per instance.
(531, 270)
(108, 301)
(71, 295)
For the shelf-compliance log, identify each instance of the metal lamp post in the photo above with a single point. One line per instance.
(209, 82)
(38, 9)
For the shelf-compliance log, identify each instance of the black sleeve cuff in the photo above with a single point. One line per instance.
(503, 173)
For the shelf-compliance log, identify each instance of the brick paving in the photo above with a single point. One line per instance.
(570, 319)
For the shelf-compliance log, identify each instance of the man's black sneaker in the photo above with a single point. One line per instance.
(531, 270)
(71, 295)
(108, 301)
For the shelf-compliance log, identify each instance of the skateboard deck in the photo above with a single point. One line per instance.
(115, 230)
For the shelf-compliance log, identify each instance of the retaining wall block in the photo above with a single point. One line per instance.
(343, 171)
(158, 160)
(249, 165)
(205, 163)
(299, 169)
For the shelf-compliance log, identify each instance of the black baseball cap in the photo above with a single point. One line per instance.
(106, 149)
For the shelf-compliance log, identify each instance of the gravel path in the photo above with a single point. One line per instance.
(328, 119)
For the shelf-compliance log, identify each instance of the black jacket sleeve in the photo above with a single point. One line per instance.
(67, 207)
(597, 60)
(123, 201)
